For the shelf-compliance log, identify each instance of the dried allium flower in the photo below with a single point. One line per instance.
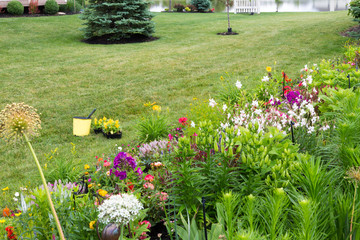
(353, 174)
(18, 119)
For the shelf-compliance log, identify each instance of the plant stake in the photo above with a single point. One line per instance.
(292, 132)
(203, 203)
(348, 76)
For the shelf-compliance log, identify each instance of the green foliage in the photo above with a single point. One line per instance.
(228, 213)
(62, 167)
(179, 7)
(15, 8)
(201, 5)
(152, 127)
(354, 9)
(51, 7)
(343, 106)
(201, 112)
(69, 7)
(116, 19)
(274, 212)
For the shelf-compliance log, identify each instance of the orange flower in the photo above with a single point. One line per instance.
(6, 212)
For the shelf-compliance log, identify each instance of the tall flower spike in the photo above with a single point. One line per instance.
(18, 119)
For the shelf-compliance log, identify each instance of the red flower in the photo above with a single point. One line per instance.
(183, 121)
(130, 186)
(149, 178)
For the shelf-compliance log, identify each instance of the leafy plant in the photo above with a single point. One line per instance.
(179, 7)
(201, 5)
(15, 7)
(34, 7)
(51, 7)
(152, 127)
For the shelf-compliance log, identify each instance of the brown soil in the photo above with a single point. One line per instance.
(134, 39)
(228, 33)
(354, 29)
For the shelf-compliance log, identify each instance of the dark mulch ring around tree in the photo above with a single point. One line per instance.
(355, 30)
(135, 39)
(228, 33)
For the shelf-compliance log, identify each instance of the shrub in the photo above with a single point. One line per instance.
(72, 8)
(191, 7)
(103, 19)
(15, 8)
(354, 9)
(179, 7)
(201, 5)
(34, 7)
(51, 7)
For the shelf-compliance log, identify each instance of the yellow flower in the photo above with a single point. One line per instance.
(2, 220)
(222, 78)
(268, 69)
(45, 167)
(194, 98)
(91, 224)
(156, 108)
(5, 189)
(90, 185)
(17, 214)
(86, 166)
(102, 192)
(86, 173)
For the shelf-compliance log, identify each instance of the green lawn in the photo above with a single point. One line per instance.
(44, 64)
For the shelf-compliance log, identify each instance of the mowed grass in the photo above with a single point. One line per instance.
(44, 64)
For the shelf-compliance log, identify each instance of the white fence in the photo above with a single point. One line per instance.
(246, 6)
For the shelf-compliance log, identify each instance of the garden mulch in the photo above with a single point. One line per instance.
(134, 39)
(354, 29)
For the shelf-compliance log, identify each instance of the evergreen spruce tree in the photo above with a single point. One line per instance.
(116, 20)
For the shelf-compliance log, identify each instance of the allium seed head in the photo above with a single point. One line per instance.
(353, 174)
(18, 119)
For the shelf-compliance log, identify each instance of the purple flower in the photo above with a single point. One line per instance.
(293, 97)
(121, 175)
(139, 171)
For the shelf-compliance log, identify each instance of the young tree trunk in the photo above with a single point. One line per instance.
(228, 15)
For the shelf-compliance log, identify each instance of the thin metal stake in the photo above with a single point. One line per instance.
(292, 132)
(176, 236)
(203, 202)
(357, 66)
(284, 85)
(348, 76)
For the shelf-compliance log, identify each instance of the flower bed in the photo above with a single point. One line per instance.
(263, 164)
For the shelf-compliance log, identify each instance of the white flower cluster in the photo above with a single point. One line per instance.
(119, 209)
(303, 115)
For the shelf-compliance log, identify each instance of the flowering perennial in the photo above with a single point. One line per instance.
(119, 209)
(122, 162)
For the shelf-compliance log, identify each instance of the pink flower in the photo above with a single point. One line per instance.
(183, 121)
(162, 196)
(145, 222)
(195, 135)
(148, 185)
(106, 163)
(170, 136)
(149, 178)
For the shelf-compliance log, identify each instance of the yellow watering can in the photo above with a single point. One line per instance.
(81, 125)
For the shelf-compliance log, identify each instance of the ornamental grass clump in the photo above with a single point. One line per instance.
(20, 121)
